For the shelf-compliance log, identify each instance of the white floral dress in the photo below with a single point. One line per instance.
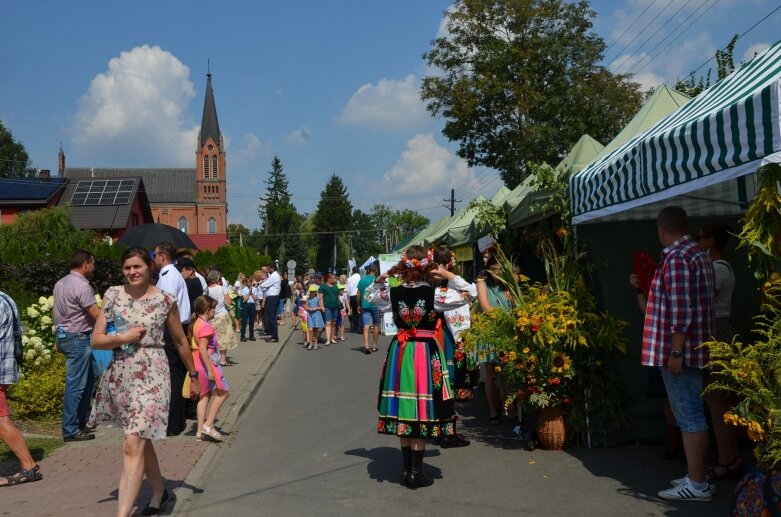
(135, 390)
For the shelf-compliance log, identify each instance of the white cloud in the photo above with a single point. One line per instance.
(134, 113)
(251, 149)
(425, 167)
(756, 48)
(388, 104)
(298, 136)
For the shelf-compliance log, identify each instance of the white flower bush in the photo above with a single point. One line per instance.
(38, 338)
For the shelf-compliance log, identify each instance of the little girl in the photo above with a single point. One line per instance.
(344, 311)
(206, 356)
(314, 306)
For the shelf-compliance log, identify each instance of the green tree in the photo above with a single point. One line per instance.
(238, 233)
(408, 223)
(332, 218)
(14, 161)
(519, 83)
(725, 65)
(365, 237)
(278, 215)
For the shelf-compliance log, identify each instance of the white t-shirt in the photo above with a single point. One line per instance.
(351, 289)
(218, 292)
(725, 285)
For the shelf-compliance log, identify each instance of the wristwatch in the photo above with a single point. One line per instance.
(676, 354)
(194, 375)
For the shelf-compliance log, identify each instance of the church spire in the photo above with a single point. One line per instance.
(210, 127)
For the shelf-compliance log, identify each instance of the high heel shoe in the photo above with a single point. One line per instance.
(152, 510)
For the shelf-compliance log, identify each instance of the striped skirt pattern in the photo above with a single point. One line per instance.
(415, 399)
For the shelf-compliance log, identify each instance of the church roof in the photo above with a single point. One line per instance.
(210, 127)
(162, 185)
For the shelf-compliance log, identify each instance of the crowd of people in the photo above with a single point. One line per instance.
(169, 328)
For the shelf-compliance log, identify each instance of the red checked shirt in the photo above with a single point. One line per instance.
(681, 300)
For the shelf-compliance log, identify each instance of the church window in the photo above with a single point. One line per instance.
(206, 163)
(215, 168)
(183, 224)
(212, 225)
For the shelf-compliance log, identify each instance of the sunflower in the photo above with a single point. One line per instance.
(561, 362)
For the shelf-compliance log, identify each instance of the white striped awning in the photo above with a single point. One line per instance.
(728, 131)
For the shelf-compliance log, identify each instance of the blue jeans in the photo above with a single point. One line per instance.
(80, 369)
(684, 392)
(331, 314)
(248, 317)
(272, 306)
(370, 316)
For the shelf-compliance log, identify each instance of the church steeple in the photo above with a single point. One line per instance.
(210, 127)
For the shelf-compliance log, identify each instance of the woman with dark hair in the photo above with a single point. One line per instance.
(136, 387)
(454, 322)
(490, 296)
(713, 238)
(415, 401)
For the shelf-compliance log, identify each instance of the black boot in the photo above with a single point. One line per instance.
(417, 479)
(406, 456)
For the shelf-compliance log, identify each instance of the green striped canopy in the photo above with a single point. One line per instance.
(728, 131)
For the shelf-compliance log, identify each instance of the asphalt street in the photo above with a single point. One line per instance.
(307, 445)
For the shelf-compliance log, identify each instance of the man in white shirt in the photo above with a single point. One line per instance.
(271, 287)
(248, 293)
(171, 281)
(351, 289)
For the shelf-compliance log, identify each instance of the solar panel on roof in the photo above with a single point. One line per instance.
(102, 192)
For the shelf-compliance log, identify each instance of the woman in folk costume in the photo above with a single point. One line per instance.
(454, 322)
(415, 401)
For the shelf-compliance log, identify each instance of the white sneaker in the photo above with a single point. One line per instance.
(708, 479)
(685, 491)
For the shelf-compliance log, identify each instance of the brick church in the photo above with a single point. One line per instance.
(192, 200)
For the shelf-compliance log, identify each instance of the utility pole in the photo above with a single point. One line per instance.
(452, 201)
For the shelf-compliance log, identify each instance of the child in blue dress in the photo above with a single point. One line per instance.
(314, 306)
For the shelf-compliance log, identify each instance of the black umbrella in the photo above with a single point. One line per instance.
(151, 234)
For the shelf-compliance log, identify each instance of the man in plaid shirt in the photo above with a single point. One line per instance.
(678, 318)
(9, 374)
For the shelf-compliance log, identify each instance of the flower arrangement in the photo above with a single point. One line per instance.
(38, 337)
(752, 370)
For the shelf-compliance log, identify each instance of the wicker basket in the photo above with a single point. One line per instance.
(551, 431)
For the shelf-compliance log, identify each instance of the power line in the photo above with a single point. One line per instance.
(630, 26)
(652, 35)
(634, 69)
(768, 15)
(644, 28)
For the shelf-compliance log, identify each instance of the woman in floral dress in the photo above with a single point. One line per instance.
(415, 401)
(454, 322)
(135, 390)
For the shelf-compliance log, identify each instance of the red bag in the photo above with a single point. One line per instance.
(643, 266)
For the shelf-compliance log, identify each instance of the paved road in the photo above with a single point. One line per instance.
(307, 445)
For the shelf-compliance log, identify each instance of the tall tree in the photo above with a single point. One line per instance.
(278, 215)
(725, 65)
(238, 233)
(14, 161)
(519, 83)
(332, 218)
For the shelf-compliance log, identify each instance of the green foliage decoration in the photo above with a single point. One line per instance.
(38, 396)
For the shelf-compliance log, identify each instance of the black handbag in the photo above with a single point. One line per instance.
(18, 347)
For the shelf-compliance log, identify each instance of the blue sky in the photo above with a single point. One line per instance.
(329, 87)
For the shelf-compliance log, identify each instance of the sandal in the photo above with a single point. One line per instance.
(212, 433)
(733, 471)
(24, 476)
(375, 349)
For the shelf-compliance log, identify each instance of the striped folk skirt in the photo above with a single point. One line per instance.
(415, 399)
